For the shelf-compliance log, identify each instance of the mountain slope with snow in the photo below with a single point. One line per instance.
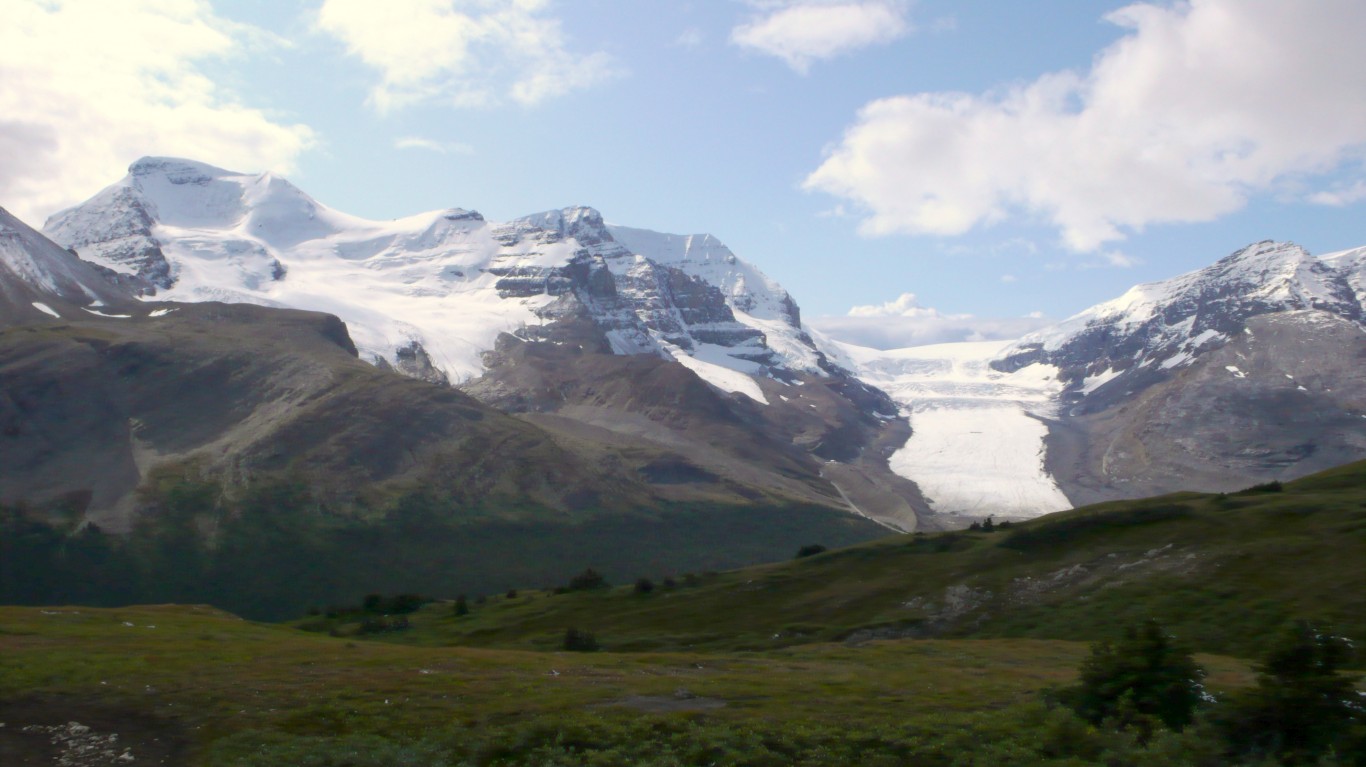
(1249, 370)
(39, 280)
(1154, 328)
(431, 293)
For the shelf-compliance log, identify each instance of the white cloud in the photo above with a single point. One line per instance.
(1340, 196)
(432, 145)
(1008, 278)
(689, 38)
(904, 305)
(89, 86)
(892, 329)
(903, 322)
(803, 31)
(480, 54)
(1198, 107)
(1120, 260)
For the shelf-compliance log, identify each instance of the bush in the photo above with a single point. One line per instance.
(578, 640)
(462, 606)
(587, 580)
(1301, 708)
(810, 550)
(1142, 680)
(644, 586)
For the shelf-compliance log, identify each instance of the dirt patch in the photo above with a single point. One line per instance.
(75, 733)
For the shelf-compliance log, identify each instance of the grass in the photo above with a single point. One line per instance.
(1222, 571)
(772, 665)
(231, 685)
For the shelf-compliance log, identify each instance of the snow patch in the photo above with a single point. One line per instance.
(111, 316)
(723, 378)
(1091, 383)
(45, 309)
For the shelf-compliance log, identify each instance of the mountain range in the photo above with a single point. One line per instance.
(662, 366)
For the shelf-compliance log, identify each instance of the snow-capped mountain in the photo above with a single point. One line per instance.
(1251, 369)
(1160, 326)
(431, 293)
(39, 280)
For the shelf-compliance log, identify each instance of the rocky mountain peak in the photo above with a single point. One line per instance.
(1159, 326)
(177, 170)
(583, 224)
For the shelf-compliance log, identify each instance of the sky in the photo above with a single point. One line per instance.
(911, 171)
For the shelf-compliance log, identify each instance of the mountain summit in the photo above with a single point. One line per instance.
(430, 293)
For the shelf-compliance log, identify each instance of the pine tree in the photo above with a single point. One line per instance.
(1140, 681)
(1301, 707)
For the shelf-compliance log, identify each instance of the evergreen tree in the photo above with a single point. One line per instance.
(1137, 682)
(1301, 707)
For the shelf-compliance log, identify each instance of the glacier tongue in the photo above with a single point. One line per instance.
(977, 438)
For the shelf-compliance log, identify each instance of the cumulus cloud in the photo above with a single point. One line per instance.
(477, 55)
(903, 322)
(803, 31)
(1199, 106)
(89, 86)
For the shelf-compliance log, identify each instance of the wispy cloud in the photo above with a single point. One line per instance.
(431, 145)
(1340, 196)
(689, 38)
(1201, 105)
(477, 54)
(801, 32)
(90, 86)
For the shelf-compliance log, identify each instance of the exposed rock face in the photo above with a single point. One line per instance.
(1246, 371)
(448, 282)
(1282, 398)
(41, 281)
(1135, 339)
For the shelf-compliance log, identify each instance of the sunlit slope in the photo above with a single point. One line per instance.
(1222, 571)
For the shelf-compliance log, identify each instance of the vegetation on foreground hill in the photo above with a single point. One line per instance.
(739, 668)
(195, 686)
(1222, 572)
(275, 550)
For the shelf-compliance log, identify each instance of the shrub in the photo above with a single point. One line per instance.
(512, 594)
(810, 550)
(587, 580)
(462, 606)
(578, 640)
(644, 586)
(1143, 679)
(1301, 708)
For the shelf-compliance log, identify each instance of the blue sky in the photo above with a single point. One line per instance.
(995, 159)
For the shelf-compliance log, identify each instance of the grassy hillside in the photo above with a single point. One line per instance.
(1221, 571)
(192, 685)
(730, 668)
